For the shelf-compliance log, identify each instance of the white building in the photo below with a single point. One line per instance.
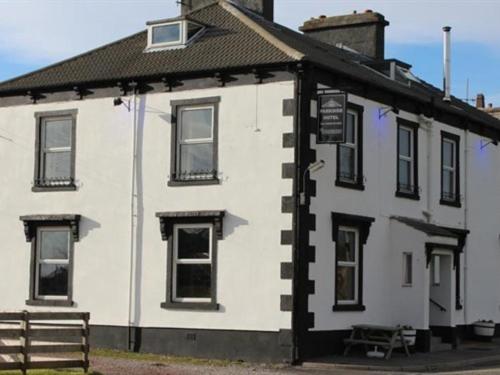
(159, 180)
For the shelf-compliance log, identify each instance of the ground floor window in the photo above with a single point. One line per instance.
(52, 240)
(192, 238)
(407, 269)
(192, 268)
(347, 266)
(350, 233)
(52, 262)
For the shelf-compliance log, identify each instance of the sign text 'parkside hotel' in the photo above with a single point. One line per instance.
(332, 118)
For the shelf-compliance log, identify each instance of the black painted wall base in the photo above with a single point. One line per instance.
(322, 343)
(221, 344)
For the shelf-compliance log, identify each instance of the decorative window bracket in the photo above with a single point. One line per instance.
(168, 219)
(31, 222)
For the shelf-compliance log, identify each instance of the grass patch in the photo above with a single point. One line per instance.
(162, 358)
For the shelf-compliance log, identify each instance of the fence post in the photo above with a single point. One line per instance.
(85, 342)
(25, 342)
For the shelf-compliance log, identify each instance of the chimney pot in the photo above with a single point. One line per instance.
(480, 101)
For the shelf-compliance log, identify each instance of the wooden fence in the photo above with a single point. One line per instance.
(33, 340)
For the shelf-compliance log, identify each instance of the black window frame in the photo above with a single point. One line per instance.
(362, 224)
(456, 202)
(32, 224)
(168, 221)
(414, 193)
(39, 183)
(358, 183)
(176, 105)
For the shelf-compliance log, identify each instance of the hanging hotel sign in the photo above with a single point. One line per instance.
(331, 118)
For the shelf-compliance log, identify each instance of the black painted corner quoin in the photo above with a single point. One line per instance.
(167, 222)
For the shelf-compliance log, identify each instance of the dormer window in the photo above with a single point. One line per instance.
(171, 34)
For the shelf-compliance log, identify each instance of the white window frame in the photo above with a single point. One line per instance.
(407, 158)
(176, 261)
(180, 41)
(44, 150)
(39, 261)
(354, 265)
(407, 258)
(452, 169)
(353, 146)
(194, 141)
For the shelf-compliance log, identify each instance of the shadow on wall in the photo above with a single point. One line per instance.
(231, 222)
(87, 225)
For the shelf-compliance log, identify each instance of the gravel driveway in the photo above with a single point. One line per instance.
(116, 366)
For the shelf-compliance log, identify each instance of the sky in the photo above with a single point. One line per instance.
(36, 33)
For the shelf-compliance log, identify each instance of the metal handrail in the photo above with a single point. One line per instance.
(442, 308)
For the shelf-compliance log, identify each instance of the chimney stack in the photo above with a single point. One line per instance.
(363, 32)
(480, 101)
(263, 7)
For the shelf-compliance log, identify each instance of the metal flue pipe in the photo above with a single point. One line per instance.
(447, 63)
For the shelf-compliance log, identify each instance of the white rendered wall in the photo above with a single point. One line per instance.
(386, 301)
(250, 152)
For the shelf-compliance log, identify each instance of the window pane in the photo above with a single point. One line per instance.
(404, 174)
(448, 154)
(346, 246)
(54, 245)
(53, 280)
(166, 33)
(345, 283)
(448, 183)
(193, 29)
(57, 165)
(404, 142)
(196, 124)
(193, 280)
(193, 243)
(408, 269)
(57, 133)
(350, 130)
(347, 162)
(196, 158)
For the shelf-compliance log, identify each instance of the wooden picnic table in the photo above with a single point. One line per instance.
(376, 335)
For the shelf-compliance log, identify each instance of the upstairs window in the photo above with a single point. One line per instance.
(171, 34)
(407, 160)
(194, 134)
(350, 153)
(55, 156)
(166, 34)
(450, 179)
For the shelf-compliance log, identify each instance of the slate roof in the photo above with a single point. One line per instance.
(227, 42)
(235, 38)
(427, 228)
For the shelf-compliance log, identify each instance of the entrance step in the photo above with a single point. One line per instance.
(437, 345)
